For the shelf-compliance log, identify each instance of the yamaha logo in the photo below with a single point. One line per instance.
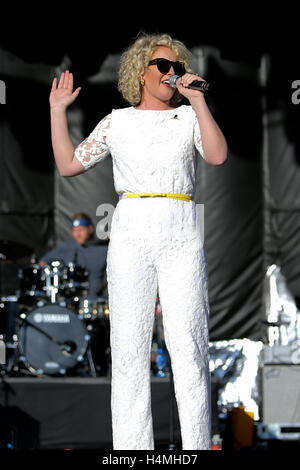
(51, 318)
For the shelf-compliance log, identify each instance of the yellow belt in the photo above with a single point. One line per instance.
(185, 197)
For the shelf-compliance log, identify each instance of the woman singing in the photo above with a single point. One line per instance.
(155, 239)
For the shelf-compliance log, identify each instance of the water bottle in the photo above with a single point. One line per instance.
(160, 363)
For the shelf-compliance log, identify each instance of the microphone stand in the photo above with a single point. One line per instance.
(66, 346)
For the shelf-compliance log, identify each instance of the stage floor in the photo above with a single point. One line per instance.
(72, 412)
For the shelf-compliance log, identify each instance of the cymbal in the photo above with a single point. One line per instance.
(14, 250)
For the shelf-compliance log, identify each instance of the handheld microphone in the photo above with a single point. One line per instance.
(199, 85)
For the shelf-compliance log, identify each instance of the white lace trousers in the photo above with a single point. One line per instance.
(140, 261)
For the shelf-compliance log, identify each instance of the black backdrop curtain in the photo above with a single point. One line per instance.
(239, 198)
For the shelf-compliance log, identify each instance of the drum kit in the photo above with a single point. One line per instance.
(50, 326)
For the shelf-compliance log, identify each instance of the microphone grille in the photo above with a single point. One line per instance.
(172, 80)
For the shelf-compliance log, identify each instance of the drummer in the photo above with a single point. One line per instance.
(82, 249)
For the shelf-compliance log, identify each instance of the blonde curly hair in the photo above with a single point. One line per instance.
(135, 59)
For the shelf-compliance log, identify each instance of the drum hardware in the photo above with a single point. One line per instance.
(91, 309)
(35, 281)
(91, 361)
(74, 280)
(9, 312)
(53, 274)
(50, 281)
(28, 345)
(94, 313)
(47, 304)
(11, 355)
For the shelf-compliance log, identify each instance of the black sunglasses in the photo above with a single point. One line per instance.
(164, 66)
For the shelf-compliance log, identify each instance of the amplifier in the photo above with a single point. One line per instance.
(280, 401)
(277, 354)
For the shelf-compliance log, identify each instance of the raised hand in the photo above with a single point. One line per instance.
(62, 95)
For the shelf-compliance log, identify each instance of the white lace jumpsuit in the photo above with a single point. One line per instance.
(155, 246)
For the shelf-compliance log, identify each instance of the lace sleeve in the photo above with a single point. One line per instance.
(94, 148)
(197, 137)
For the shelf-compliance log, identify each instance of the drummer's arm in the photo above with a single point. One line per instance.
(55, 253)
(46, 259)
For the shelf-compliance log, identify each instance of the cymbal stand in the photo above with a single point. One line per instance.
(49, 293)
(90, 360)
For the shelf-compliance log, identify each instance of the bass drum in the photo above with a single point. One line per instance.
(52, 340)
